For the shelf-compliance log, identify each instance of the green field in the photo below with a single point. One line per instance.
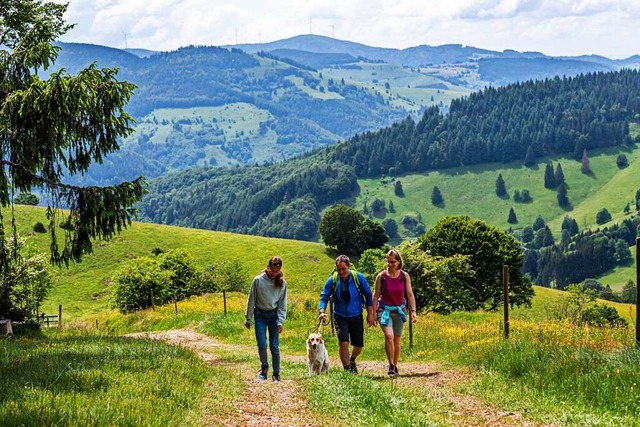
(471, 191)
(83, 288)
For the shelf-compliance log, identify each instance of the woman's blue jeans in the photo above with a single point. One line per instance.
(267, 320)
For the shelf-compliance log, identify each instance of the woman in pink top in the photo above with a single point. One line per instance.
(394, 297)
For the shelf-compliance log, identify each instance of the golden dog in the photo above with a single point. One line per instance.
(317, 355)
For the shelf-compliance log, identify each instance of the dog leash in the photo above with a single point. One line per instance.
(318, 328)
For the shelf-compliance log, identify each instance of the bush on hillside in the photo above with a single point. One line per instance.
(146, 281)
(603, 216)
(229, 275)
(579, 307)
(25, 285)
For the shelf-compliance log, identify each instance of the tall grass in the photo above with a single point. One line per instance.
(86, 379)
(550, 372)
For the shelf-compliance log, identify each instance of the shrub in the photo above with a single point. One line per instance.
(39, 227)
(579, 307)
(603, 216)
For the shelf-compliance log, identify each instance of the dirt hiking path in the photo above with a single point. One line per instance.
(265, 403)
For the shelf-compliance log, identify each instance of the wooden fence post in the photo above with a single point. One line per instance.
(637, 290)
(224, 300)
(410, 331)
(153, 306)
(59, 316)
(505, 286)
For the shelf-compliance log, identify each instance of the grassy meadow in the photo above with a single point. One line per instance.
(547, 372)
(471, 191)
(89, 373)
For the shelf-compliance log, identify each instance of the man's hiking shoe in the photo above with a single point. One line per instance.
(263, 374)
(276, 378)
(392, 370)
(352, 367)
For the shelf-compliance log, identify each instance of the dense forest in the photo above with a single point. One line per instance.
(578, 255)
(554, 116)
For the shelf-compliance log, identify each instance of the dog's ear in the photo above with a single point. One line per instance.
(320, 340)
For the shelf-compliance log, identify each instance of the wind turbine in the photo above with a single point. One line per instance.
(125, 40)
(310, 20)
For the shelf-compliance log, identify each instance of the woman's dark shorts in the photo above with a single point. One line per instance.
(350, 327)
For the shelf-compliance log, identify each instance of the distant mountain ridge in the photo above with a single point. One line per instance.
(412, 56)
(261, 103)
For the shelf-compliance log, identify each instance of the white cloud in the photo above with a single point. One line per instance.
(555, 27)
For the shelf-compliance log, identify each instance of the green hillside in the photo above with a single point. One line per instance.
(471, 191)
(82, 289)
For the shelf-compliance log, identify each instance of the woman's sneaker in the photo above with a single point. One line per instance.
(263, 374)
(392, 370)
(276, 378)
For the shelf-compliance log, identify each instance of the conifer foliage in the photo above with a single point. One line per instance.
(501, 189)
(57, 126)
(549, 177)
(436, 196)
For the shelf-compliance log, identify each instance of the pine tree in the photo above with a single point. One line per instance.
(436, 196)
(563, 200)
(513, 219)
(501, 190)
(585, 162)
(62, 122)
(530, 158)
(559, 175)
(397, 189)
(549, 177)
(392, 208)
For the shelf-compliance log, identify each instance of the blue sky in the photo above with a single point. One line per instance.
(554, 27)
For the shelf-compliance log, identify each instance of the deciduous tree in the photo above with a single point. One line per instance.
(349, 232)
(488, 249)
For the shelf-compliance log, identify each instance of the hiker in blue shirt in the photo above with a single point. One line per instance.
(350, 292)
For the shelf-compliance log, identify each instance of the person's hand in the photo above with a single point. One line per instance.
(371, 320)
(247, 325)
(323, 316)
(279, 329)
(414, 317)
